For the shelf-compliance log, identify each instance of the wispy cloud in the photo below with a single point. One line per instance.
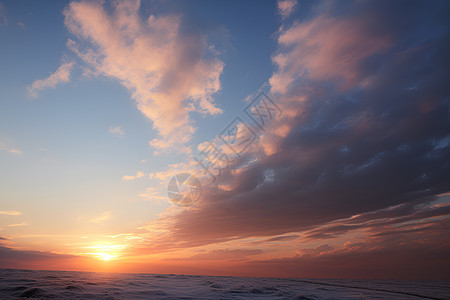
(168, 72)
(10, 212)
(153, 194)
(286, 7)
(117, 131)
(102, 217)
(61, 75)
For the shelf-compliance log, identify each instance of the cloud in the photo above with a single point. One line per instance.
(139, 174)
(168, 71)
(12, 150)
(154, 194)
(117, 131)
(10, 212)
(354, 138)
(3, 17)
(325, 48)
(107, 215)
(404, 256)
(61, 75)
(315, 251)
(18, 224)
(286, 7)
(394, 219)
(277, 239)
(128, 177)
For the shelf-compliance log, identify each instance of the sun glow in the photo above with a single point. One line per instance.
(106, 252)
(105, 256)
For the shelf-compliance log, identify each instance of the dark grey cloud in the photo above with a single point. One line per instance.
(12, 258)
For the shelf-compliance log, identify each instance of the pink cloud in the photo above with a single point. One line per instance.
(324, 48)
(61, 75)
(169, 74)
(286, 7)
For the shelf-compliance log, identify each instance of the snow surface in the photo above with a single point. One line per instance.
(16, 284)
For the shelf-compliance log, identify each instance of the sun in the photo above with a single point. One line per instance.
(105, 251)
(105, 256)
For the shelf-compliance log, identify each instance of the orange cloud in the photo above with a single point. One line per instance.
(10, 212)
(139, 174)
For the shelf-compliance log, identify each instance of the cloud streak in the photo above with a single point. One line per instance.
(220, 254)
(105, 216)
(18, 224)
(10, 212)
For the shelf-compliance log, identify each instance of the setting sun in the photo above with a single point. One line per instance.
(106, 251)
(105, 256)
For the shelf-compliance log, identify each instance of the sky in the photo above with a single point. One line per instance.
(248, 138)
